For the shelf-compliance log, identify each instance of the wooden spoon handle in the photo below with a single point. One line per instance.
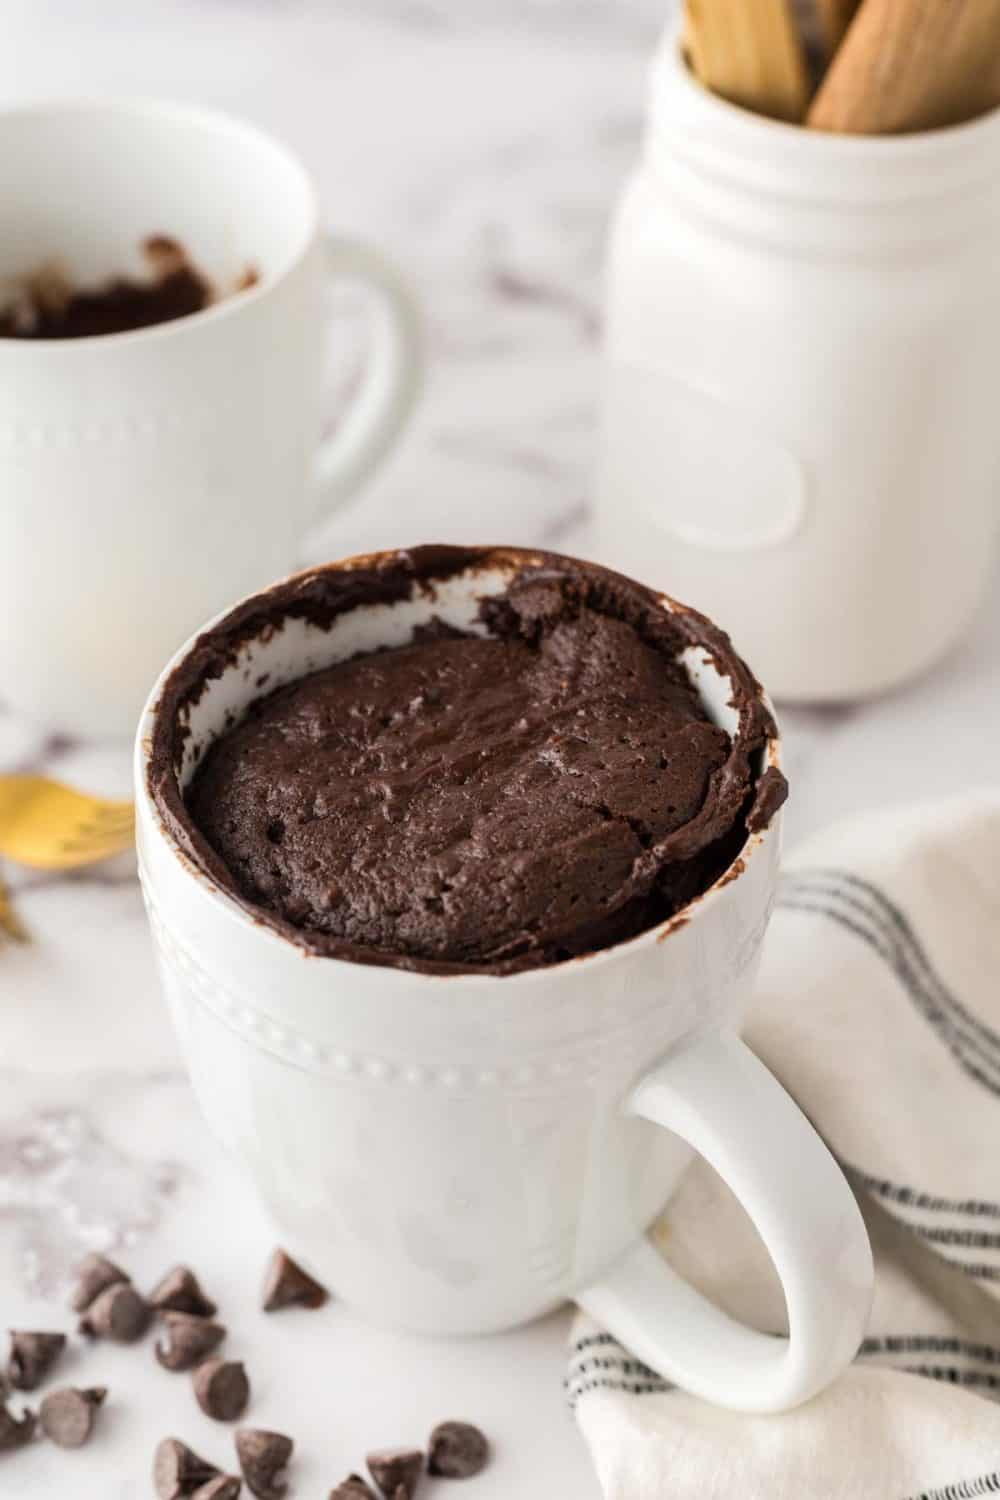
(834, 18)
(748, 51)
(911, 65)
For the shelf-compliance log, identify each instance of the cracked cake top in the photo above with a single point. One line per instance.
(492, 802)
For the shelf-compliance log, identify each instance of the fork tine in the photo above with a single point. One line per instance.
(73, 846)
(87, 833)
(51, 826)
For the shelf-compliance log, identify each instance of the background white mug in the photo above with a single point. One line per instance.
(148, 477)
(458, 1154)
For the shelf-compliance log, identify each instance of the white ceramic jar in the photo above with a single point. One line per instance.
(803, 356)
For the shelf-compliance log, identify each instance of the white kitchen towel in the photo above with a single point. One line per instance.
(878, 1007)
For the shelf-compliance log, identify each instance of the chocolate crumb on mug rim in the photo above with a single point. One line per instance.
(744, 785)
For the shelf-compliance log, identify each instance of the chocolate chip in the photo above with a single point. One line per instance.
(222, 1389)
(117, 1313)
(352, 1488)
(395, 1469)
(180, 1291)
(15, 1432)
(178, 1471)
(67, 1415)
(94, 1274)
(261, 1455)
(188, 1340)
(457, 1451)
(32, 1356)
(287, 1285)
(226, 1487)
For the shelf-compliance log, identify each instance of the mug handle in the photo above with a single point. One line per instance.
(720, 1098)
(390, 382)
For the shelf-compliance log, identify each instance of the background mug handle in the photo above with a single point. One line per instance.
(390, 381)
(722, 1100)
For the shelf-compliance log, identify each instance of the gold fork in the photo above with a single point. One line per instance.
(54, 827)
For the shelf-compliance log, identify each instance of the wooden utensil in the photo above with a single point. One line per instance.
(55, 827)
(911, 65)
(749, 51)
(834, 18)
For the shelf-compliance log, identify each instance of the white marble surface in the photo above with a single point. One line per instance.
(482, 141)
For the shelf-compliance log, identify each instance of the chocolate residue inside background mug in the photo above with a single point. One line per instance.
(45, 304)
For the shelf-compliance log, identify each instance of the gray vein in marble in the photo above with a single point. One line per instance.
(513, 286)
(69, 1190)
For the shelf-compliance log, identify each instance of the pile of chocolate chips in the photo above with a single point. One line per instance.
(456, 1450)
(110, 1307)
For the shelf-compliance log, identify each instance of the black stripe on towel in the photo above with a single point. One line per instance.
(962, 1239)
(948, 1237)
(969, 1052)
(576, 1389)
(614, 1369)
(950, 1375)
(908, 1197)
(864, 911)
(869, 898)
(965, 1489)
(595, 1340)
(929, 1343)
(611, 1369)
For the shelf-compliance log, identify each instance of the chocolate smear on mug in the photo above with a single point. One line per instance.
(188, 1340)
(180, 1291)
(225, 1487)
(353, 1488)
(15, 1432)
(67, 1416)
(262, 1456)
(457, 1451)
(222, 1389)
(771, 793)
(118, 1313)
(94, 1274)
(32, 1356)
(395, 1469)
(179, 1471)
(287, 1285)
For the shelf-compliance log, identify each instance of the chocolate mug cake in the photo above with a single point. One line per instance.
(458, 864)
(496, 799)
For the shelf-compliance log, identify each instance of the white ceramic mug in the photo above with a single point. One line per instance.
(458, 1154)
(148, 477)
(802, 357)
